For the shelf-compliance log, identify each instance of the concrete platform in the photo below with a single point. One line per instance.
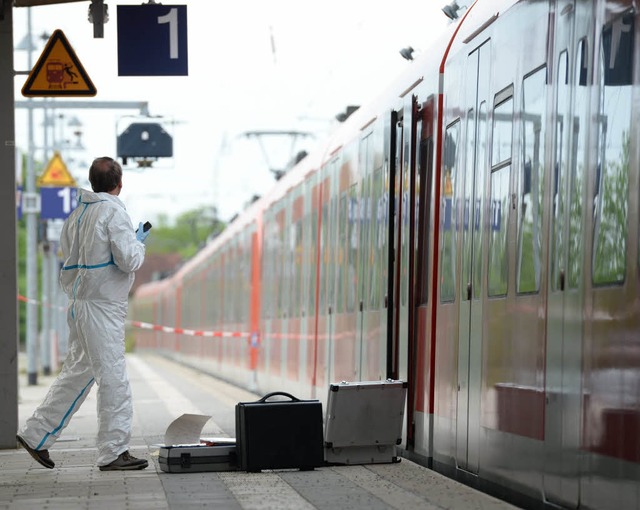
(164, 390)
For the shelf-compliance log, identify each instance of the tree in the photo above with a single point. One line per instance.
(191, 230)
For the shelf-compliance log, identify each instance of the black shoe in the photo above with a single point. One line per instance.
(124, 462)
(42, 456)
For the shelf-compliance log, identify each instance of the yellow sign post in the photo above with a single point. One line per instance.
(58, 72)
(56, 174)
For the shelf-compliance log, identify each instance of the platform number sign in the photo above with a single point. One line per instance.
(152, 40)
(57, 203)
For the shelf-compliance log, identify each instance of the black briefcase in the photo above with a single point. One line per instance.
(279, 434)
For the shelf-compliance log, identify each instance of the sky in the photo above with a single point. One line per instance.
(253, 65)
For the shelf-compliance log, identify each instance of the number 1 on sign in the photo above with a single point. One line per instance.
(172, 18)
(68, 200)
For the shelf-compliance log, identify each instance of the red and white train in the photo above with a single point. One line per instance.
(475, 232)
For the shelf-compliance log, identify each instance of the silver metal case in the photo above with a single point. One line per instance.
(198, 458)
(364, 421)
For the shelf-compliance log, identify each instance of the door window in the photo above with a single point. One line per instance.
(531, 182)
(612, 172)
(448, 216)
(500, 176)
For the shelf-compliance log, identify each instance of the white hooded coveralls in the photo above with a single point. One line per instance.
(101, 254)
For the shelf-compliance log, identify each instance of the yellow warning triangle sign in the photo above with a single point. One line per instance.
(58, 72)
(56, 173)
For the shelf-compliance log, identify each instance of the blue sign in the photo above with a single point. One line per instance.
(152, 40)
(19, 202)
(57, 203)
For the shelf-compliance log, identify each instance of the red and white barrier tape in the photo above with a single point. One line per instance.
(155, 327)
(189, 332)
(37, 302)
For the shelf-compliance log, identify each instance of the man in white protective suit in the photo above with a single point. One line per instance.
(101, 253)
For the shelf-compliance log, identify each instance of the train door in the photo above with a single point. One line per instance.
(470, 325)
(612, 363)
(270, 272)
(404, 252)
(295, 267)
(565, 285)
(414, 236)
(330, 257)
(421, 400)
(313, 282)
(395, 242)
(276, 344)
(363, 214)
(305, 290)
(372, 325)
(326, 250)
(345, 315)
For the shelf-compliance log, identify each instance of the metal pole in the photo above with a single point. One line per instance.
(9, 252)
(142, 106)
(46, 310)
(55, 312)
(63, 328)
(45, 344)
(32, 242)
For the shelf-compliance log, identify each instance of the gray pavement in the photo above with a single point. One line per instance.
(164, 390)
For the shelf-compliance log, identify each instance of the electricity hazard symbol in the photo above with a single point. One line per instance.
(56, 173)
(58, 72)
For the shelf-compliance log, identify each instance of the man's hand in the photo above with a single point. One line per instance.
(141, 233)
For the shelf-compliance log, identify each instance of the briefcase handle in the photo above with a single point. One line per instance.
(282, 393)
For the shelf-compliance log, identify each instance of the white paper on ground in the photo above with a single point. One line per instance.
(186, 429)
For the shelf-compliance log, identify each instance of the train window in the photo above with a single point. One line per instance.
(558, 241)
(502, 131)
(612, 169)
(448, 214)
(297, 267)
(270, 268)
(404, 234)
(425, 158)
(270, 291)
(233, 289)
(376, 243)
(481, 164)
(365, 162)
(366, 260)
(241, 270)
(287, 269)
(265, 270)
(280, 264)
(240, 282)
(531, 182)
(247, 277)
(342, 252)
(472, 200)
(229, 288)
(500, 176)
(578, 169)
(333, 253)
(352, 248)
(468, 200)
(498, 231)
(324, 253)
(311, 261)
(219, 291)
(228, 310)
